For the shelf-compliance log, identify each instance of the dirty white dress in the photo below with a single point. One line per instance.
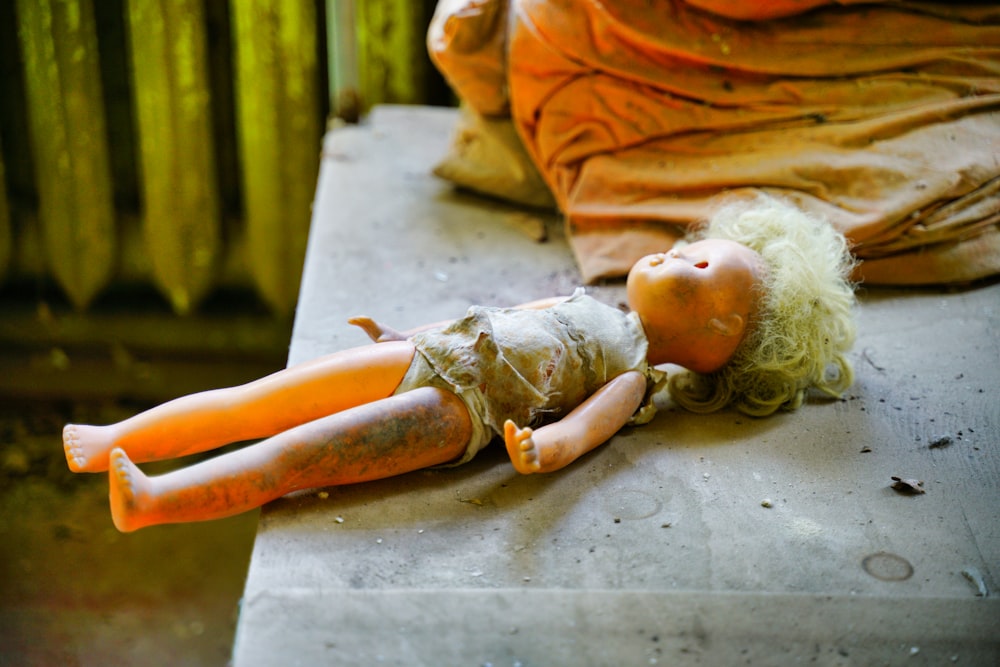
(530, 366)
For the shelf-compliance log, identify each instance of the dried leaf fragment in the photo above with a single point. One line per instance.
(913, 486)
(943, 441)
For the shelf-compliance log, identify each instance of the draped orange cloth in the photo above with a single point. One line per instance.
(882, 117)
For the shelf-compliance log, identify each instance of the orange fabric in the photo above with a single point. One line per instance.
(467, 40)
(884, 118)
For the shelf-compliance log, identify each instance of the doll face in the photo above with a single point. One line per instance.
(695, 302)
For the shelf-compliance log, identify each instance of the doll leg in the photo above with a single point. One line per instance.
(414, 430)
(261, 408)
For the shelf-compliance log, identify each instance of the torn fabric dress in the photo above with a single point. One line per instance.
(530, 366)
(882, 117)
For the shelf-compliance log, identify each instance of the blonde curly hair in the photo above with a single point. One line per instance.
(805, 321)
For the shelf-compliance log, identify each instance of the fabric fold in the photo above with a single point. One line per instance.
(882, 117)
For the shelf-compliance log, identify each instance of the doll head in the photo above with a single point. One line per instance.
(802, 323)
(696, 302)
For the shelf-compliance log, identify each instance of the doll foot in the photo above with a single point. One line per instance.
(521, 448)
(131, 492)
(87, 447)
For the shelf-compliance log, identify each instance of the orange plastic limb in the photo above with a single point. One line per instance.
(392, 436)
(261, 408)
(590, 424)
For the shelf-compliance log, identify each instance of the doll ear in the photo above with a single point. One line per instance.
(730, 325)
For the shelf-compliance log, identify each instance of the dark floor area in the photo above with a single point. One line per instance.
(75, 591)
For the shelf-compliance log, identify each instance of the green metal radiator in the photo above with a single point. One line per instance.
(177, 142)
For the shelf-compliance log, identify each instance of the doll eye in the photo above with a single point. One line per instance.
(701, 265)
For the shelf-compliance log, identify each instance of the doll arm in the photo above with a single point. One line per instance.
(590, 424)
(381, 333)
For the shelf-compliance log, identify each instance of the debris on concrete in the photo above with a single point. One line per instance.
(910, 486)
(940, 442)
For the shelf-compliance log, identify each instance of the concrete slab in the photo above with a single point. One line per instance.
(693, 540)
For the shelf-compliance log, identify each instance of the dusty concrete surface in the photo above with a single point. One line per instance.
(712, 539)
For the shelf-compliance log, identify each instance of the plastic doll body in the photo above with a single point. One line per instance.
(598, 418)
(695, 304)
(270, 405)
(336, 420)
(388, 437)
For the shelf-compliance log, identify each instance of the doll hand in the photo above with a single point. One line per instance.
(377, 332)
(521, 448)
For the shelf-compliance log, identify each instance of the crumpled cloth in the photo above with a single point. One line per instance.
(883, 118)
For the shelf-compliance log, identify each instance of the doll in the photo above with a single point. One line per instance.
(757, 310)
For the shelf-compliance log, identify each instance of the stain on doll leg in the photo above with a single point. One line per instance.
(131, 492)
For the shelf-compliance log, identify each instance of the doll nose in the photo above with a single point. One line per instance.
(694, 260)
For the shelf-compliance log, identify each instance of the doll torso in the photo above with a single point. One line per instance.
(534, 366)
